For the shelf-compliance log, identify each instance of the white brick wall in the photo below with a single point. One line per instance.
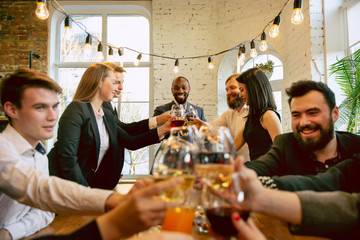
(199, 27)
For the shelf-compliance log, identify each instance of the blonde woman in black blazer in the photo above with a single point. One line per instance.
(75, 155)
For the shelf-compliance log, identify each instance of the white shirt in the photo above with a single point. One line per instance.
(21, 220)
(104, 135)
(25, 184)
(235, 121)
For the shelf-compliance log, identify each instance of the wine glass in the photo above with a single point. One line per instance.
(179, 112)
(176, 158)
(219, 204)
(190, 114)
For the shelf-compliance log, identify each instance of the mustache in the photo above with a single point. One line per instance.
(309, 127)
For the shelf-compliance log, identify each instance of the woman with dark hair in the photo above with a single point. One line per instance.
(263, 122)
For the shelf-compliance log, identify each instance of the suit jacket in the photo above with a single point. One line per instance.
(166, 107)
(286, 158)
(76, 152)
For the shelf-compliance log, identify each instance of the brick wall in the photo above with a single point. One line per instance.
(195, 27)
(21, 32)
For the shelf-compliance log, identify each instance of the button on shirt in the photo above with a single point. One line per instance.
(21, 220)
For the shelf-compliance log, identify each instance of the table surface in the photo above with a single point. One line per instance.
(272, 228)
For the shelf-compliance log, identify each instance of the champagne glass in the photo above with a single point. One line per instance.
(219, 204)
(179, 112)
(189, 115)
(176, 158)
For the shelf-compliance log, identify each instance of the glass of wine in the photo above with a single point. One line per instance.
(179, 112)
(190, 114)
(176, 158)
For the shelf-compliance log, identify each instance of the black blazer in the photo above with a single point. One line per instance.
(76, 152)
(166, 107)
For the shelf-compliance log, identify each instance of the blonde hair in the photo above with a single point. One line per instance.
(115, 67)
(232, 76)
(90, 82)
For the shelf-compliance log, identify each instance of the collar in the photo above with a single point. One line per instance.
(186, 105)
(97, 113)
(20, 142)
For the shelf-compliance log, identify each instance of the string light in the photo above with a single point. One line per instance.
(242, 55)
(263, 45)
(138, 59)
(238, 60)
(41, 10)
(274, 30)
(176, 66)
(297, 16)
(88, 43)
(121, 53)
(99, 55)
(111, 55)
(67, 32)
(210, 63)
(253, 52)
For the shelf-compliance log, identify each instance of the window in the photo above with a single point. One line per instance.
(119, 28)
(353, 19)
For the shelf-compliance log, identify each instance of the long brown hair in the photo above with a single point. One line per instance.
(90, 82)
(260, 96)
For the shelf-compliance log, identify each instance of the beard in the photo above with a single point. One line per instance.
(326, 135)
(181, 101)
(237, 102)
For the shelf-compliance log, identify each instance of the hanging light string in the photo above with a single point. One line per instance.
(240, 45)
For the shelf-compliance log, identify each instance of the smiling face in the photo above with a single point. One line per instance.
(119, 76)
(312, 120)
(180, 90)
(243, 93)
(107, 87)
(233, 94)
(37, 117)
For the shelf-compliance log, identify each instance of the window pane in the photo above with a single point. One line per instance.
(353, 18)
(136, 85)
(131, 112)
(69, 79)
(130, 31)
(72, 48)
(263, 58)
(136, 162)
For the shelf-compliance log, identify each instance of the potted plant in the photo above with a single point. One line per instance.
(267, 68)
(347, 75)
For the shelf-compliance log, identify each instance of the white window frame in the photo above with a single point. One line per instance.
(106, 8)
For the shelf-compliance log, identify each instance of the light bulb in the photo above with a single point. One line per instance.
(121, 62)
(111, 58)
(87, 48)
(68, 36)
(274, 31)
(121, 53)
(242, 57)
(176, 66)
(41, 10)
(297, 17)
(99, 57)
(137, 61)
(263, 46)
(210, 63)
(253, 53)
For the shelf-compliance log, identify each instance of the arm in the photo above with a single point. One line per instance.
(329, 214)
(239, 140)
(71, 128)
(271, 122)
(48, 193)
(158, 111)
(33, 221)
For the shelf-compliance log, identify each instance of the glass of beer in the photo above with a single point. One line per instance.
(176, 158)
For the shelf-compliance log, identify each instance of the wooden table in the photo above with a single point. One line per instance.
(272, 228)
